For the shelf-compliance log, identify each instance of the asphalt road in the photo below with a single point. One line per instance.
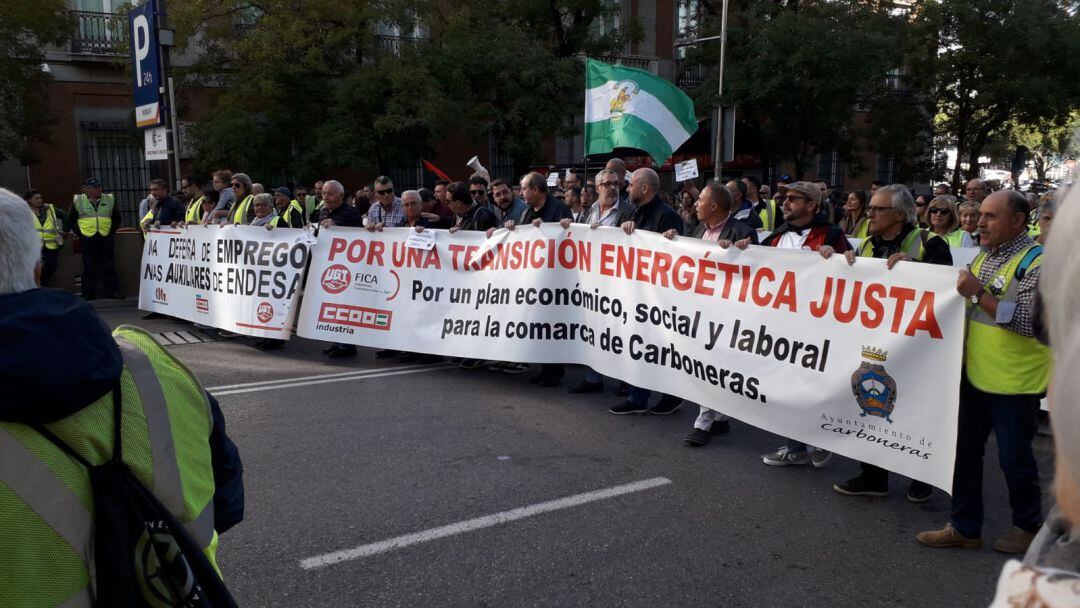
(343, 462)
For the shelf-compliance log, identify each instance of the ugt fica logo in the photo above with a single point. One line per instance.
(335, 278)
(159, 296)
(873, 387)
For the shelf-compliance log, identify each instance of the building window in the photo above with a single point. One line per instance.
(885, 169)
(831, 168)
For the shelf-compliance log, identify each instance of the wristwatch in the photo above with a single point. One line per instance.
(978, 296)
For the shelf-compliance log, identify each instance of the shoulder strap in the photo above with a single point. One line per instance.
(1029, 258)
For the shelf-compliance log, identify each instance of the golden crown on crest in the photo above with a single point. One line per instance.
(875, 354)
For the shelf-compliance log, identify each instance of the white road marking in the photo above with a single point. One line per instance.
(270, 385)
(479, 523)
(354, 372)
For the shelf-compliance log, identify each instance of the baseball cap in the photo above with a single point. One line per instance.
(92, 182)
(806, 189)
(283, 190)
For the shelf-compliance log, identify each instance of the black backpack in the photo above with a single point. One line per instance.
(143, 556)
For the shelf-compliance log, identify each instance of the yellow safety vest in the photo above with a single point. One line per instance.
(46, 532)
(955, 238)
(294, 207)
(94, 219)
(49, 229)
(862, 229)
(310, 204)
(997, 360)
(768, 215)
(194, 211)
(142, 222)
(914, 244)
(240, 210)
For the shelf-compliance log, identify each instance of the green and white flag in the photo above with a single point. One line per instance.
(631, 108)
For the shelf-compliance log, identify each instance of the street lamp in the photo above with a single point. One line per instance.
(718, 158)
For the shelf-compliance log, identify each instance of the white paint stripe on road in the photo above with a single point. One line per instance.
(479, 523)
(355, 372)
(271, 387)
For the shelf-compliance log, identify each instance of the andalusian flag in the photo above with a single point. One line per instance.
(631, 108)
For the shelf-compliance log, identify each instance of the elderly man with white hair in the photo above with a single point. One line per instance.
(54, 534)
(335, 212)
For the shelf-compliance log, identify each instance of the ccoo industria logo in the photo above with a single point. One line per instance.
(873, 387)
(202, 304)
(159, 297)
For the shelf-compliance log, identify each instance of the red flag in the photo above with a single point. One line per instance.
(436, 170)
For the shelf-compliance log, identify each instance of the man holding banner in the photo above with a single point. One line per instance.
(651, 214)
(894, 237)
(1006, 372)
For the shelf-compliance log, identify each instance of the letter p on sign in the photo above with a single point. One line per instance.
(142, 46)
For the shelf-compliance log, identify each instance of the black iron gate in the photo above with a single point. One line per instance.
(113, 153)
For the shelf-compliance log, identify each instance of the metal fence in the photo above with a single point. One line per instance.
(113, 153)
(99, 33)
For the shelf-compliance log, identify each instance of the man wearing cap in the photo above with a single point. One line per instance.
(290, 212)
(96, 218)
(805, 227)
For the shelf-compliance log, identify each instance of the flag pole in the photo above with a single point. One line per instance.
(585, 135)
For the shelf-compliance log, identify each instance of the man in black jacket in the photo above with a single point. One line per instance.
(471, 212)
(541, 207)
(716, 224)
(652, 214)
(334, 212)
(167, 210)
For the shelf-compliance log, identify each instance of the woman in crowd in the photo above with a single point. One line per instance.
(922, 202)
(265, 214)
(945, 222)
(1046, 217)
(686, 210)
(969, 220)
(855, 222)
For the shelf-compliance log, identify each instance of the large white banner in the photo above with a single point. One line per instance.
(860, 360)
(244, 279)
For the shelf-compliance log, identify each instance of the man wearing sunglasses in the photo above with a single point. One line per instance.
(387, 212)
(478, 190)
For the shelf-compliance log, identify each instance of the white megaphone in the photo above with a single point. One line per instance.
(474, 164)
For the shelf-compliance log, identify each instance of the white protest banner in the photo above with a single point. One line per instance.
(686, 170)
(244, 279)
(553, 179)
(857, 359)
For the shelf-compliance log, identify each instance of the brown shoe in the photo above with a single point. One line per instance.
(947, 537)
(1014, 542)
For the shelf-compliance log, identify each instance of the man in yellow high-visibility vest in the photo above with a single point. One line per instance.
(172, 438)
(96, 217)
(1006, 371)
(48, 226)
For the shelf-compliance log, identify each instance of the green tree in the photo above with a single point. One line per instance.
(996, 61)
(311, 86)
(797, 71)
(27, 28)
(1048, 144)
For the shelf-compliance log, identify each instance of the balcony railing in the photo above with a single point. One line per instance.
(689, 75)
(99, 33)
(633, 61)
(392, 45)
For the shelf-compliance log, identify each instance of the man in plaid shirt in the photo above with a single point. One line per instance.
(387, 212)
(1006, 371)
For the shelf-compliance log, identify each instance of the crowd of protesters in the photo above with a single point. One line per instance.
(1000, 392)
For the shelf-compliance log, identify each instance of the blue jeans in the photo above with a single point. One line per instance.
(639, 396)
(1012, 418)
(591, 375)
(796, 447)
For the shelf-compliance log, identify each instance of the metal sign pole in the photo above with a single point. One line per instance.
(718, 162)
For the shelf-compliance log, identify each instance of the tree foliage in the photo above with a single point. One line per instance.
(797, 71)
(998, 61)
(26, 28)
(319, 84)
